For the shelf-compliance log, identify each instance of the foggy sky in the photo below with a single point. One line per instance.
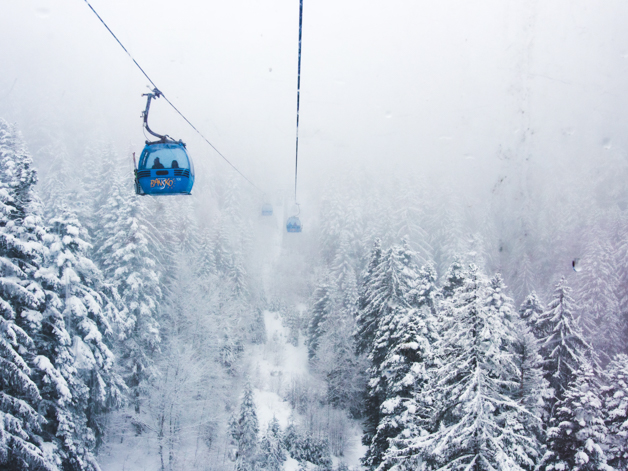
(464, 91)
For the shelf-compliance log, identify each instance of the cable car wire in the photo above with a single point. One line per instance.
(296, 158)
(175, 108)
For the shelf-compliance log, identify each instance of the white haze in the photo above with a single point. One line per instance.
(423, 82)
(498, 101)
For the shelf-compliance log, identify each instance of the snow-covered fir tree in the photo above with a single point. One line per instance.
(615, 397)
(453, 279)
(258, 328)
(621, 261)
(404, 374)
(330, 336)
(475, 419)
(76, 286)
(368, 313)
(532, 389)
(562, 345)
(291, 319)
(577, 434)
(396, 347)
(426, 292)
(598, 305)
(272, 453)
(305, 447)
(79, 383)
(320, 313)
(530, 310)
(22, 300)
(244, 430)
(128, 253)
(523, 274)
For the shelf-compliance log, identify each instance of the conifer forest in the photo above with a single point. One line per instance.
(456, 298)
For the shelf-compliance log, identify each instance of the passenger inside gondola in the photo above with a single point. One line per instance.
(175, 164)
(157, 163)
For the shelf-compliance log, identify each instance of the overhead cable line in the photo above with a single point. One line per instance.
(170, 103)
(296, 159)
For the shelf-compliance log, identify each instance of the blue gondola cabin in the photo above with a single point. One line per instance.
(267, 209)
(293, 224)
(164, 169)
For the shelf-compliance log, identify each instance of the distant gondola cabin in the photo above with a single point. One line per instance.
(267, 209)
(164, 169)
(293, 224)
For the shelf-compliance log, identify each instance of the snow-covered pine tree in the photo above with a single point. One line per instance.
(98, 166)
(206, 261)
(305, 447)
(426, 292)
(500, 303)
(178, 237)
(232, 239)
(474, 418)
(128, 253)
(615, 396)
(577, 435)
(221, 256)
(238, 277)
(405, 373)
(562, 345)
(230, 349)
(408, 365)
(332, 325)
(63, 393)
(188, 237)
(244, 430)
(530, 310)
(316, 451)
(258, 328)
(291, 320)
(321, 310)
(531, 388)
(523, 275)
(454, 278)
(75, 290)
(368, 313)
(393, 348)
(343, 276)
(598, 306)
(60, 181)
(291, 438)
(621, 262)
(272, 453)
(345, 377)
(21, 303)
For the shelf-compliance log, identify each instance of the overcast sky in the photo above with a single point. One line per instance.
(462, 89)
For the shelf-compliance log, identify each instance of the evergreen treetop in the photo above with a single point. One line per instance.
(563, 347)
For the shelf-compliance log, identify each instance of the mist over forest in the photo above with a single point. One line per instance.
(456, 300)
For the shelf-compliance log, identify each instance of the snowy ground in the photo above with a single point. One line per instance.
(274, 366)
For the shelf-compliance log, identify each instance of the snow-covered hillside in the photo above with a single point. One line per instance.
(194, 334)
